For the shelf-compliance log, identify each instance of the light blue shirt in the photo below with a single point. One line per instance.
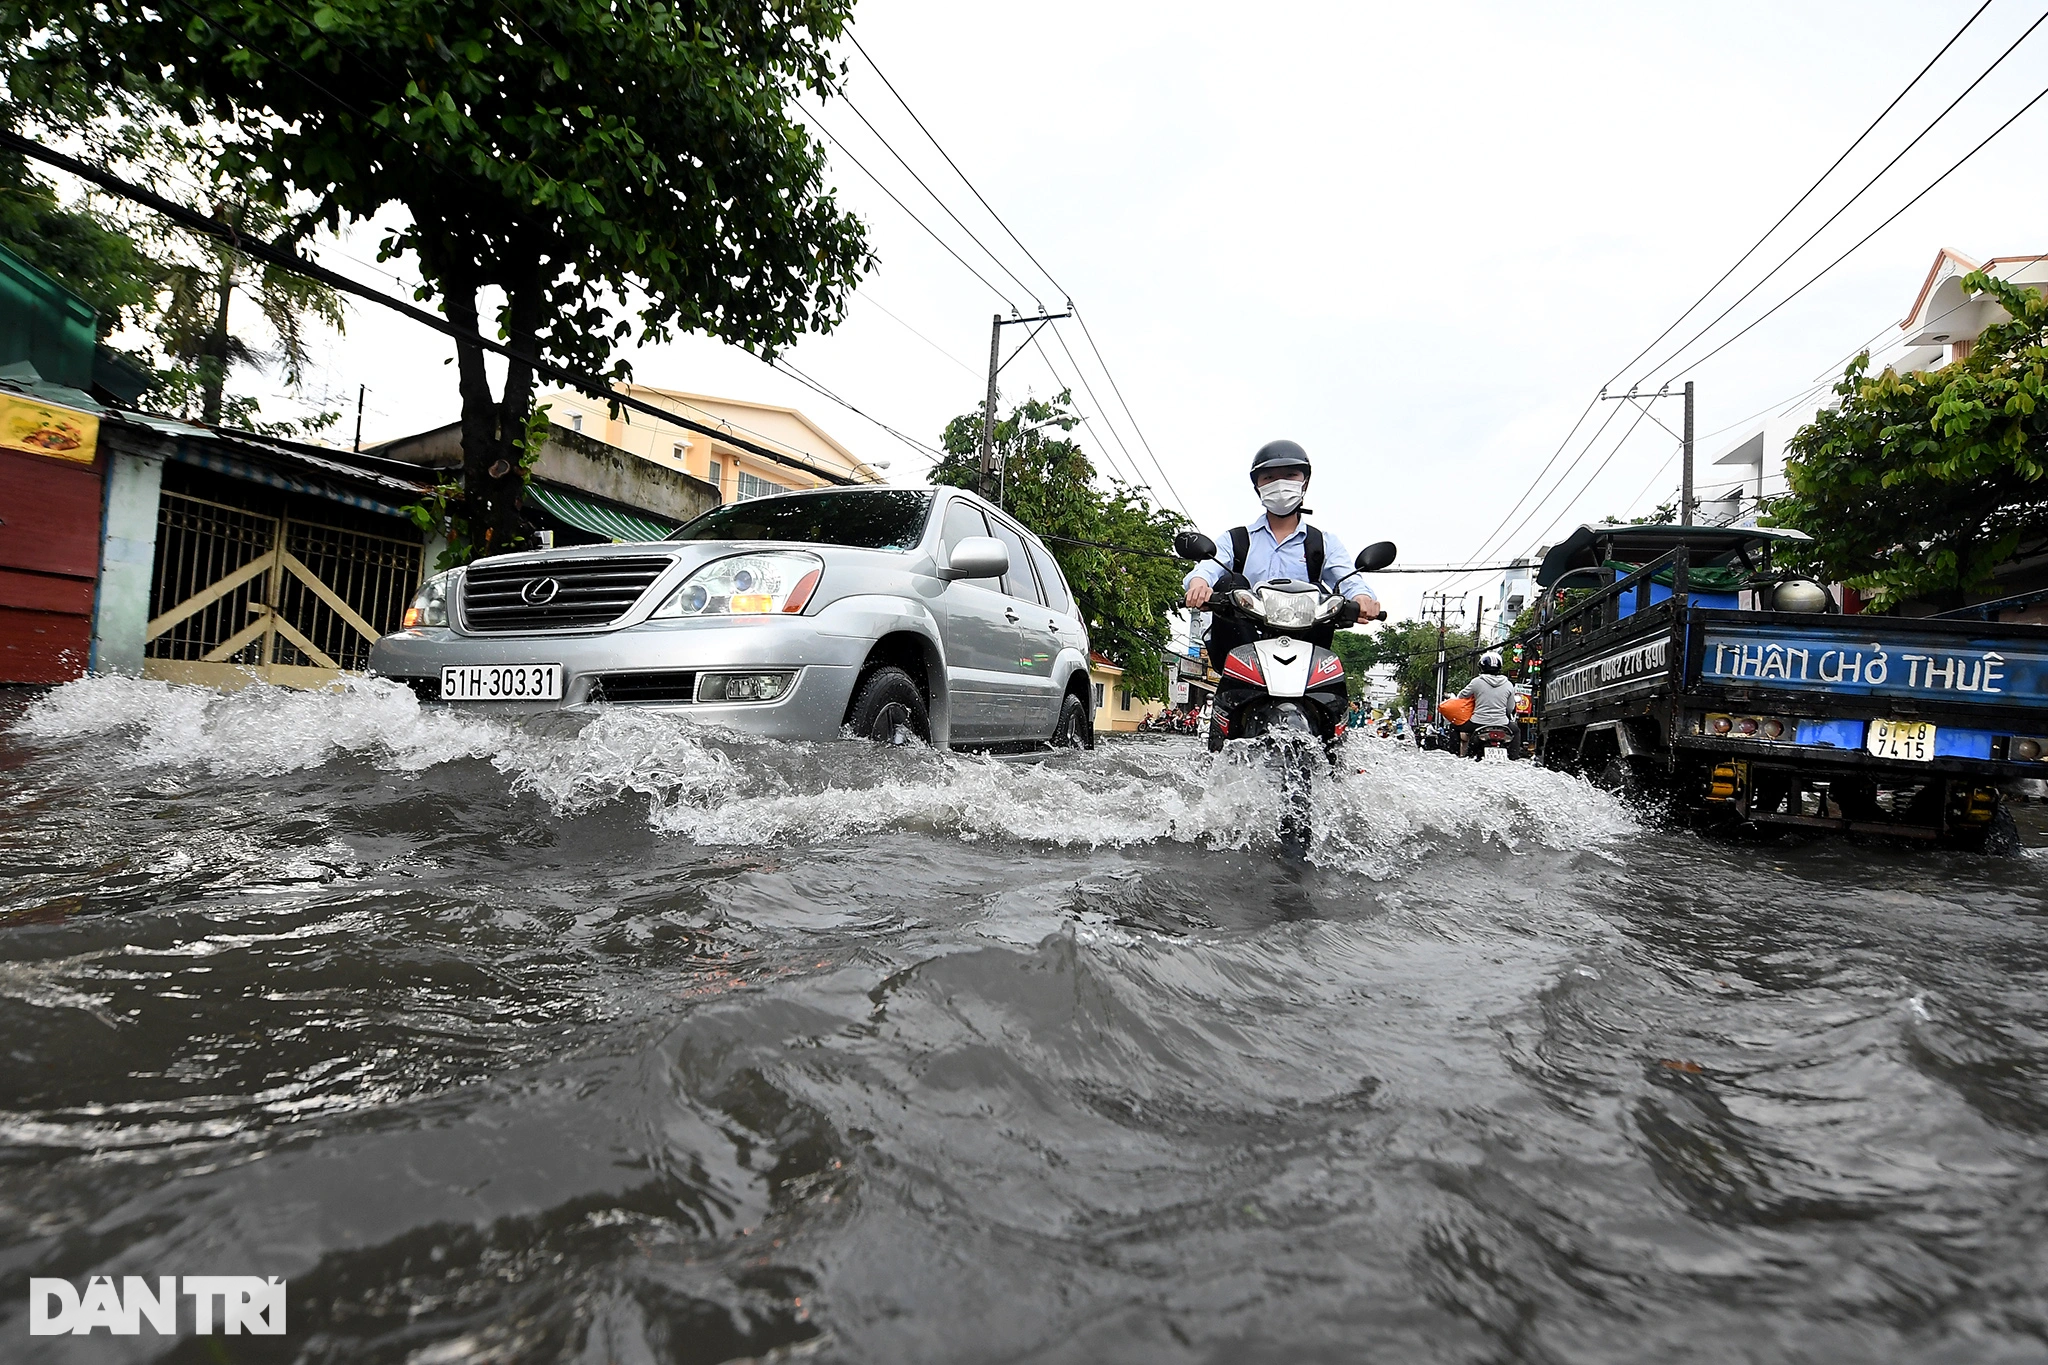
(1265, 558)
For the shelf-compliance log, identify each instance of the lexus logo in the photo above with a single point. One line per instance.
(538, 592)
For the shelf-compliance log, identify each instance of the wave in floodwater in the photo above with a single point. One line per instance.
(1384, 805)
(609, 1036)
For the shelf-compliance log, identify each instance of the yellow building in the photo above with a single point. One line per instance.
(1116, 710)
(810, 454)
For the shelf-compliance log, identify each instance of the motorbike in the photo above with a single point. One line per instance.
(1491, 744)
(1282, 688)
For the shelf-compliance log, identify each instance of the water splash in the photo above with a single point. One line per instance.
(1382, 807)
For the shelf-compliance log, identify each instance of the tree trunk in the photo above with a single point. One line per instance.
(213, 364)
(490, 482)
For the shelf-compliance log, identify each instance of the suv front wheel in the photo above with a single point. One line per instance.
(889, 708)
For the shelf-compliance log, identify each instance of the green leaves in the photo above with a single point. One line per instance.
(1050, 485)
(1919, 486)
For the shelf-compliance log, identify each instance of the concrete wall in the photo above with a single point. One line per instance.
(127, 558)
(582, 463)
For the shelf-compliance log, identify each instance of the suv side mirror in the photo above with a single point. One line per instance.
(1377, 555)
(977, 557)
(1194, 545)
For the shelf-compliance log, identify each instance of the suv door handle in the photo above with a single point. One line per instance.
(1010, 614)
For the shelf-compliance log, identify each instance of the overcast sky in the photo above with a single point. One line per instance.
(1416, 239)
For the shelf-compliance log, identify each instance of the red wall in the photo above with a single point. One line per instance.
(49, 558)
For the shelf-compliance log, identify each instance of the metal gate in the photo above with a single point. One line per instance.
(238, 595)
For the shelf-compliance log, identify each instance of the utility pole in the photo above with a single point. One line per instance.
(1479, 631)
(995, 367)
(361, 389)
(988, 410)
(1685, 486)
(1443, 613)
(1685, 440)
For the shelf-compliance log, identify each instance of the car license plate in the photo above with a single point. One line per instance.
(501, 682)
(1912, 740)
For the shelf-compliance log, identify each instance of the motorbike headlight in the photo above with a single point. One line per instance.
(764, 584)
(1287, 610)
(430, 605)
(1247, 603)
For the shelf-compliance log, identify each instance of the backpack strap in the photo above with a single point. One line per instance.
(1240, 548)
(1312, 547)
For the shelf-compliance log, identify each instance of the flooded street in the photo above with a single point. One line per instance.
(608, 1040)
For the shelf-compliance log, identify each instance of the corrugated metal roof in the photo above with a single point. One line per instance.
(595, 517)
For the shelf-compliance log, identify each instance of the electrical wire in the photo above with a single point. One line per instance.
(1866, 236)
(1078, 316)
(820, 123)
(944, 207)
(1487, 544)
(1882, 172)
(1833, 166)
(855, 40)
(1535, 483)
(1116, 389)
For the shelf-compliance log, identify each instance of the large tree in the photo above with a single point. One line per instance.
(1049, 483)
(559, 163)
(1920, 485)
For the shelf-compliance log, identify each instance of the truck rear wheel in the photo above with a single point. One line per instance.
(1997, 838)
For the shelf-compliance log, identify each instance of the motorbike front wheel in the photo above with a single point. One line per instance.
(1297, 749)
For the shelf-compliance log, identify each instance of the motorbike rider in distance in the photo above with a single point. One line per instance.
(1493, 704)
(1276, 544)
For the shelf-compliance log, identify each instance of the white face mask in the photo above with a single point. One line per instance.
(1283, 497)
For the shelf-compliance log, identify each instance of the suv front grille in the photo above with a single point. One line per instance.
(627, 688)
(587, 592)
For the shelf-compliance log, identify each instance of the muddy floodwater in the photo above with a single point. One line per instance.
(609, 1039)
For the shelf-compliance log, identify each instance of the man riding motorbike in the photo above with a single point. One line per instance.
(1276, 544)
(1493, 707)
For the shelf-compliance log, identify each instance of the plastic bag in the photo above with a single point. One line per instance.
(1456, 710)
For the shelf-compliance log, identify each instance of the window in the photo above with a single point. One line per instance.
(1098, 696)
(751, 487)
(718, 479)
(1123, 699)
(1056, 595)
(1018, 582)
(679, 451)
(575, 421)
(867, 518)
(964, 519)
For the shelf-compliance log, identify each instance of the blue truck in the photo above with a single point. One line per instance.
(1680, 666)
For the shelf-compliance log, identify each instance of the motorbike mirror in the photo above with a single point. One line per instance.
(1377, 555)
(1194, 545)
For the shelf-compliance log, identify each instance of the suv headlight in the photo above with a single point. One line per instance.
(430, 604)
(1288, 610)
(746, 585)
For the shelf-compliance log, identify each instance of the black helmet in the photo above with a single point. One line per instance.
(1283, 454)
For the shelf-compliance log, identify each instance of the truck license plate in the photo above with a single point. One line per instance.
(1912, 740)
(501, 682)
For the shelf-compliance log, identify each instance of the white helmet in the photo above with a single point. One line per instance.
(1489, 662)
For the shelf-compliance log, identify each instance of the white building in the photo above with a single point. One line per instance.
(1940, 328)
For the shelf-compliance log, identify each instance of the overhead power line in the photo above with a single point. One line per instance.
(1832, 167)
(1865, 237)
(1115, 388)
(855, 40)
(944, 207)
(1831, 218)
(1535, 483)
(285, 260)
(1007, 301)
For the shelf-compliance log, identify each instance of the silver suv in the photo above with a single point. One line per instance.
(889, 612)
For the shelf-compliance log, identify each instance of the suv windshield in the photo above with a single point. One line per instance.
(866, 518)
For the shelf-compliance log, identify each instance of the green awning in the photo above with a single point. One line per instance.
(595, 517)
